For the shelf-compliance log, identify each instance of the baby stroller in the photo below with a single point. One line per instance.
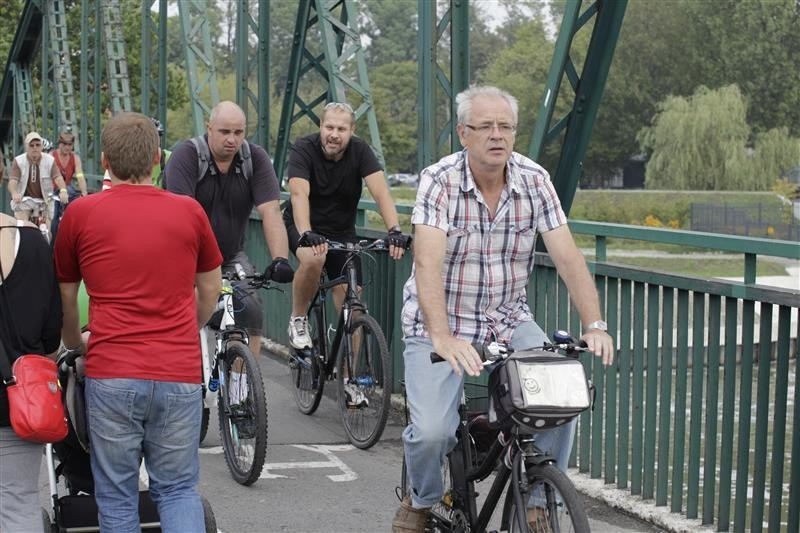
(68, 461)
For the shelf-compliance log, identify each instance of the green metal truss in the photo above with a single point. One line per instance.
(200, 70)
(605, 19)
(154, 61)
(437, 88)
(339, 61)
(62, 67)
(24, 109)
(253, 66)
(116, 59)
(91, 72)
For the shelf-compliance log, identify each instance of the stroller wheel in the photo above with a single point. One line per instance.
(47, 525)
(208, 516)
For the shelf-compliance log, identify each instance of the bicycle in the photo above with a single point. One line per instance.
(358, 335)
(232, 382)
(523, 472)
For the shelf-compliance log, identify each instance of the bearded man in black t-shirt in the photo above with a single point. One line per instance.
(327, 172)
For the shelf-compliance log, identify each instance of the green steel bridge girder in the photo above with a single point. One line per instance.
(252, 64)
(437, 129)
(116, 58)
(588, 87)
(200, 70)
(154, 61)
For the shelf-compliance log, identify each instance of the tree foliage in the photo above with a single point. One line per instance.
(701, 143)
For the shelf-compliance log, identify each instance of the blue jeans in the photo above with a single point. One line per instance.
(160, 421)
(434, 394)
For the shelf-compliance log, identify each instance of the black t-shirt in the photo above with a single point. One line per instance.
(335, 186)
(228, 198)
(35, 302)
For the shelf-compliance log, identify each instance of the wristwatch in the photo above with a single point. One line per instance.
(597, 324)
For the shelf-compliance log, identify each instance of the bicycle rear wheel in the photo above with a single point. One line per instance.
(370, 371)
(242, 409)
(553, 503)
(305, 370)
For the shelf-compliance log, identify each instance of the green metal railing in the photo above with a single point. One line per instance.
(701, 409)
(692, 415)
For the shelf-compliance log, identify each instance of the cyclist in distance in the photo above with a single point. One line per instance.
(229, 176)
(327, 172)
(143, 391)
(476, 217)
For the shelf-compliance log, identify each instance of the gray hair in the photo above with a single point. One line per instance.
(465, 98)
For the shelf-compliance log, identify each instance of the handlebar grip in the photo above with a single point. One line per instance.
(480, 348)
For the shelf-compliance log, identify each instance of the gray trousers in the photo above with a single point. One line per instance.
(19, 484)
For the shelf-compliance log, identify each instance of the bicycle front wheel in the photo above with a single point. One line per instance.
(365, 381)
(553, 503)
(242, 409)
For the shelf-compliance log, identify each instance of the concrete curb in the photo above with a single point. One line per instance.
(624, 501)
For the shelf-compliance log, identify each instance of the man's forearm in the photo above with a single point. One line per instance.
(70, 328)
(81, 183)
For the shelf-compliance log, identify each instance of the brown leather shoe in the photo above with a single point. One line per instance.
(538, 520)
(407, 519)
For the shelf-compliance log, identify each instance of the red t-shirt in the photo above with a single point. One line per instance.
(137, 249)
(67, 169)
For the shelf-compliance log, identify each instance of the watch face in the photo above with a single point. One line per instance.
(598, 324)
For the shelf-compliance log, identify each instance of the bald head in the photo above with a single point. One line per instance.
(226, 129)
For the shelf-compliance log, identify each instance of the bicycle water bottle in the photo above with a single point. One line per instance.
(365, 381)
(213, 384)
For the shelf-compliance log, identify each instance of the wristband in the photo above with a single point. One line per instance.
(79, 174)
(62, 190)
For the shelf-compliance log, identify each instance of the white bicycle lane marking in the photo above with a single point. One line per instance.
(348, 474)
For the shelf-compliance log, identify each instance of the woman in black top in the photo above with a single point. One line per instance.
(30, 322)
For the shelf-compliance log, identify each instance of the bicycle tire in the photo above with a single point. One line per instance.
(373, 376)
(305, 371)
(563, 510)
(243, 425)
(204, 422)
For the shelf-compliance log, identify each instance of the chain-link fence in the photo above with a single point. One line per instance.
(757, 220)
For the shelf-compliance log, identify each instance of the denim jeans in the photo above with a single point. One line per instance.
(159, 421)
(434, 394)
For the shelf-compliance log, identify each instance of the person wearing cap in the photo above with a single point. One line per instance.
(32, 180)
(69, 163)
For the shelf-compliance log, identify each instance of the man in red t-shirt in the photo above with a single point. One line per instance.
(151, 267)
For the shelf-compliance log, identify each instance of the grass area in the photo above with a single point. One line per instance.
(724, 267)
(653, 209)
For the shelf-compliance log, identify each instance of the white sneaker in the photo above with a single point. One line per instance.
(354, 396)
(298, 333)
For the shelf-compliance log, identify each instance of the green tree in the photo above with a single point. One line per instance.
(394, 89)
(774, 155)
(10, 11)
(699, 142)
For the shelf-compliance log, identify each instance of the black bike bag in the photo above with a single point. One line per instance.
(537, 390)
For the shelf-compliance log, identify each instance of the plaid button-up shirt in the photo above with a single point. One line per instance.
(488, 260)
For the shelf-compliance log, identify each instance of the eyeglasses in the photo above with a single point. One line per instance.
(339, 105)
(486, 129)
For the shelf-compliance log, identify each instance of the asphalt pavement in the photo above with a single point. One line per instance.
(315, 481)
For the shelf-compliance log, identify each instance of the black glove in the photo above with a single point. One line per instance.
(309, 238)
(280, 271)
(395, 237)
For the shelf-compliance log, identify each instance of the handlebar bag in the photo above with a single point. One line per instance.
(537, 390)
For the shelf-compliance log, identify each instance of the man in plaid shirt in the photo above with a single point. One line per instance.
(476, 218)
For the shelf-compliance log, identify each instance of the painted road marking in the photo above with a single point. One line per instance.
(348, 474)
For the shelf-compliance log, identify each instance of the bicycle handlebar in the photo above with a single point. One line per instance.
(497, 352)
(363, 245)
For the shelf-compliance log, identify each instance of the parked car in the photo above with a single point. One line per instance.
(403, 179)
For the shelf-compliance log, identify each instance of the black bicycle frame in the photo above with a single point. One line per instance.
(351, 303)
(464, 479)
